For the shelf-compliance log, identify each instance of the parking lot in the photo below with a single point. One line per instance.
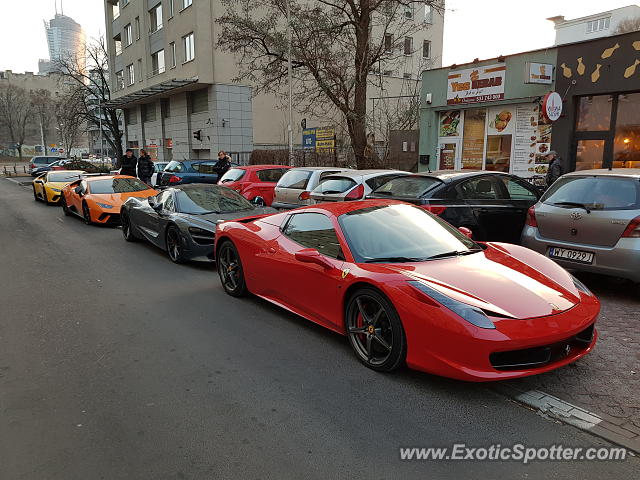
(115, 360)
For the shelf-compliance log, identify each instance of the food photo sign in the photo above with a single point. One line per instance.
(475, 85)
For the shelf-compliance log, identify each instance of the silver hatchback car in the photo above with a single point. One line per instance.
(293, 190)
(590, 220)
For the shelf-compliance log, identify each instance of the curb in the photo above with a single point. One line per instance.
(604, 426)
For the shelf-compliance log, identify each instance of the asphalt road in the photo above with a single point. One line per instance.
(117, 364)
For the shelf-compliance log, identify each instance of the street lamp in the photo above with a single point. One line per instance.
(289, 128)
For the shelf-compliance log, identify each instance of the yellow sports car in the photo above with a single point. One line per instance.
(47, 187)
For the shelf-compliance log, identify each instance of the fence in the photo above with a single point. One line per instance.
(9, 170)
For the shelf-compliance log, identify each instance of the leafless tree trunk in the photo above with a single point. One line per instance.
(16, 111)
(336, 45)
(43, 107)
(69, 117)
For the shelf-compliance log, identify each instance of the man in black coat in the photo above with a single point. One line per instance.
(554, 170)
(223, 164)
(145, 167)
(129, 163)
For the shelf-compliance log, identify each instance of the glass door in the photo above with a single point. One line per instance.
(589, 154)
(449, 154)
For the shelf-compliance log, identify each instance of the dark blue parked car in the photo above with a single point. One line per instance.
(188, 171)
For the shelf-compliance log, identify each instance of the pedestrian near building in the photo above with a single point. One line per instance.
(145, 167)
(554, 170)
(129, 163)
(223, 164)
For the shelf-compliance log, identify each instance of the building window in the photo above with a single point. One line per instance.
(117, 44)
(428, 14)
(130, 116)
(388, 43)
(137, 28)
(598, 25)
(115, 10)
(125, 2)
(170, 9)
(148, 112)
(157, 62)
(155, 18)
(128, 37)
(186, 3)
(140, 69)
(189, 47)
(119, 80)
(426, 49)
(200, 101)
(408, 45)
(131, 75)
(594, 113)
(408, 10)
(172, 50)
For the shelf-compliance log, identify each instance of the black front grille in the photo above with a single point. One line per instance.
(543, 355)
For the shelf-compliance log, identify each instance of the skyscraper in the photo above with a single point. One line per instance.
(65, 37)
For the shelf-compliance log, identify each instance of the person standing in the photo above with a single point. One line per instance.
(223, 164)
(129, 163)
(145, 167)
(554, 170)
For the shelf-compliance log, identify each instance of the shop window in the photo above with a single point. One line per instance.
(589, 154)
(473, 138)
(594, 113)
(498, 153)
(626, 146)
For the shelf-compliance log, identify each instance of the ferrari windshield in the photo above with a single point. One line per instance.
(64, 177)
(117, 185)
(211, 199)
(401, 233)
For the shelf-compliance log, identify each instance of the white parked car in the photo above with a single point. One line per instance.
(293, 190)
(352, 185)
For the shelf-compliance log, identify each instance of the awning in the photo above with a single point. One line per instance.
(149, 92)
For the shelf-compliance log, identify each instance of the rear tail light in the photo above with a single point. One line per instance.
(633, 229)
(304, 196)
(531, 217)
(33, 165)
(356, 194)
(174, 179)
(435, 209)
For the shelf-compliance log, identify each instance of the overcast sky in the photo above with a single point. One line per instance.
(472, 29)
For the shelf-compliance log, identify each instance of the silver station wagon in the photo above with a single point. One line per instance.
(590, 220)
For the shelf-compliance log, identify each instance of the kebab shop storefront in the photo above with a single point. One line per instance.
(489, 115)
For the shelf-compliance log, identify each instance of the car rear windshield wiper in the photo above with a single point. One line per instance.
(393, 259)
(382, 193)
(329, 192)
(572, 204)
(455, 253)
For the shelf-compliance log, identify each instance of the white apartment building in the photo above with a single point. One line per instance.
(592, 26)
(177, 89)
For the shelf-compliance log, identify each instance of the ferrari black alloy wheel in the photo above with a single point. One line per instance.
(174, 245)
(230, 270)
(375, 331)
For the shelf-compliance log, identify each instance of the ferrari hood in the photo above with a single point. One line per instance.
(495, 282)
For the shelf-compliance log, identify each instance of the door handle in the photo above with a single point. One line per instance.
(483, 210)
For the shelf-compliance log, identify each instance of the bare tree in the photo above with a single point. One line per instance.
(69, 110)
(628, 25)
(43, 107)
(90, 83)
(16, 111)
(336, 44)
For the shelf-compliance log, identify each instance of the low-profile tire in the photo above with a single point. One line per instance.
(174, 245)
(44, 197)
(86, 213)
(35, 195)
(230, 270)
(375, 331)
(65, 207)
(127, 231)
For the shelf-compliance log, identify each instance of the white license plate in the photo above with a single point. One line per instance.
(573, 255)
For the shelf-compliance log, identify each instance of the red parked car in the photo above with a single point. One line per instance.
(406, 287)
(256, 183)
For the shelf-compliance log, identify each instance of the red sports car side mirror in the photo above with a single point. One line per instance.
(311, 255)
(466, 232)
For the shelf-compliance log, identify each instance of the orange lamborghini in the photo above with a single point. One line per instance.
(97, 199)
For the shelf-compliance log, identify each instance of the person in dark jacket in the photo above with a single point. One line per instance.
(554, 169)
(223, 164)
(145, 167)
(129, 163)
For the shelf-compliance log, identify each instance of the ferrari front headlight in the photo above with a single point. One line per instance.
(471, 314)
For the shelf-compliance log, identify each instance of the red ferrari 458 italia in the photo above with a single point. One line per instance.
(406, 287)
